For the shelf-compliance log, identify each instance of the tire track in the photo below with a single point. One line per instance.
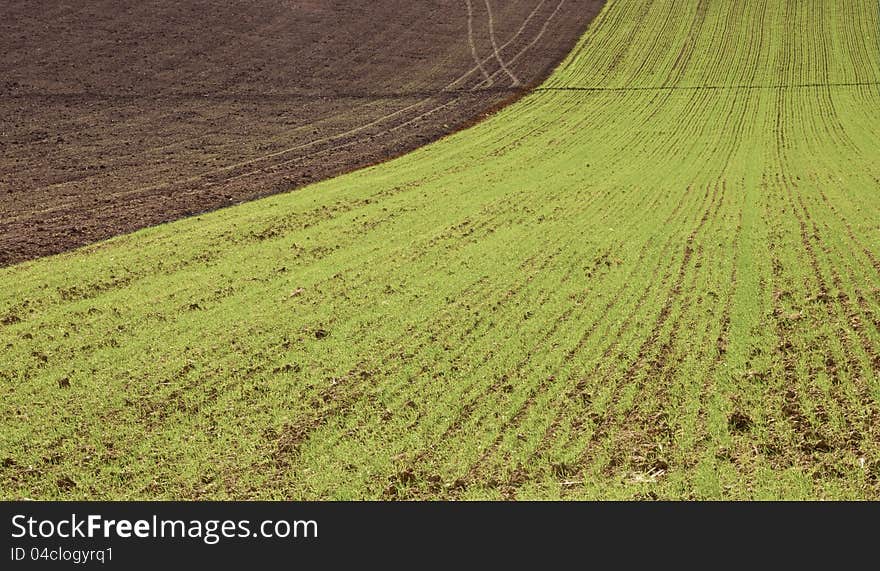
(531, 44)
(472, 43)
(513, 78)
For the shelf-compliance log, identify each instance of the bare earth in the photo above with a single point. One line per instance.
(120, 114)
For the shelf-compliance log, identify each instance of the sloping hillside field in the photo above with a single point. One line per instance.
(121, 114)
(656, 276)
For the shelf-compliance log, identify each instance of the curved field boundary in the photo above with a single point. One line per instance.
(378, 87)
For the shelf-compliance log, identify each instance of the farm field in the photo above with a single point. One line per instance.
(121, 114)
(657, 276)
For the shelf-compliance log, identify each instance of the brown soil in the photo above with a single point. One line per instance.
(117, 114)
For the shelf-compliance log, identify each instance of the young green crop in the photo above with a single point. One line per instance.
(656, 276)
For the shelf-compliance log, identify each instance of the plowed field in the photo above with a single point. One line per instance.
(121, 114)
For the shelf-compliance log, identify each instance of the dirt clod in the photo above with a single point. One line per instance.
(65, 483)
(739, 422)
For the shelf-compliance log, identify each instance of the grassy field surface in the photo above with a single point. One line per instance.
(658, 276)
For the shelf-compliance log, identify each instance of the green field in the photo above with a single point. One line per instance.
(657, 276)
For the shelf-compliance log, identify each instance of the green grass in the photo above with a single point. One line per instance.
(656, 277)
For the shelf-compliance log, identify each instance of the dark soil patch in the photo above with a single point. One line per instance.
(739, 422)
(116, 114)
